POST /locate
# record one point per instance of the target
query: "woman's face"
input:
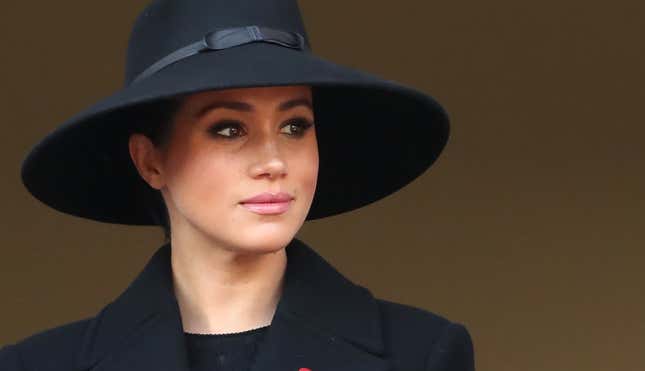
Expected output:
(230, 145)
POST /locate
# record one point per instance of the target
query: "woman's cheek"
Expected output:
(196, 182)
(310, 175)
(214, 178)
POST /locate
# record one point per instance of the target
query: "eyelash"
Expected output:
(303, 124)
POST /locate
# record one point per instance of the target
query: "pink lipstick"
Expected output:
(268, 203)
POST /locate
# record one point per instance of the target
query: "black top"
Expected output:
(223, 352)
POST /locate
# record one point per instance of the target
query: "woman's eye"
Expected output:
(227, 129)
(232, 129)
(297, 127)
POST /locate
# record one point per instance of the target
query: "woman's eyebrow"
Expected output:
(245, 107)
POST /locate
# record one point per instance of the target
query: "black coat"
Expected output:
(323, 322)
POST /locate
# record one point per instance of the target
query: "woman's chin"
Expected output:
(265, 239)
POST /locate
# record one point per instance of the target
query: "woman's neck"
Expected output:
(222, 291)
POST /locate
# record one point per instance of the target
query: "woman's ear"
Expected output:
(145, 157)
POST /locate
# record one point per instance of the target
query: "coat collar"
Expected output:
(322, 322)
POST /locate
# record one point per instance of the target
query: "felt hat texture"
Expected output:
(374, 135)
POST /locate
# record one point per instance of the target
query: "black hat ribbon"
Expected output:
(227, 38)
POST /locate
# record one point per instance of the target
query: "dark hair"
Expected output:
(155, 120)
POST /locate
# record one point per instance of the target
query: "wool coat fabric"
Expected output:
(323, 322)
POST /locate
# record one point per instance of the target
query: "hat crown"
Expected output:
(167, 25)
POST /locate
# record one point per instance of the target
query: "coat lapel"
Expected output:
(323, 322)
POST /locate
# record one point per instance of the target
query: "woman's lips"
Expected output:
(269, 197)
(267, 207)
(268, 203)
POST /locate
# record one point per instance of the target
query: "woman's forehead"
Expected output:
(280, 98)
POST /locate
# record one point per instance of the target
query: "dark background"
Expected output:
(529, 229)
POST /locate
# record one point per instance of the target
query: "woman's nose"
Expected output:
(269, 161)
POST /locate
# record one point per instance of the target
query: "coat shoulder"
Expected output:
(408, 319)
(55, 348)
(416, 336)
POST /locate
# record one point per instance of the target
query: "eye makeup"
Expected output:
(235, 128)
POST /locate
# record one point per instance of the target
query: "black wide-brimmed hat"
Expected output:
(374, 135)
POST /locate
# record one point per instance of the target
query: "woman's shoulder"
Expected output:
(54, 348)
(410, 317)
(445, 344)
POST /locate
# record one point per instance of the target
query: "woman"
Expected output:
(230, 133)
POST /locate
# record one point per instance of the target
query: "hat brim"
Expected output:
(374, 135)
